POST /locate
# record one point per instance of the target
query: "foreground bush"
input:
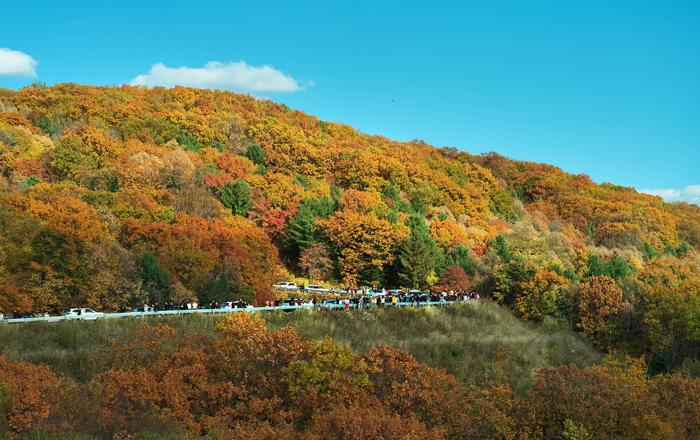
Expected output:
(246, 381)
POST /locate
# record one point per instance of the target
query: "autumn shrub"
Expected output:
(612, 401)
(369, 421)
(29, 396)
(599, 298)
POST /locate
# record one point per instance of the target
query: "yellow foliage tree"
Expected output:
(363, 241)
(539, 294)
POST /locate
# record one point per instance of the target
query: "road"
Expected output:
(216, 311)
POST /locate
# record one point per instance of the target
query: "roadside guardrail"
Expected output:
(249, 309)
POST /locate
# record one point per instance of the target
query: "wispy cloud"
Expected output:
(690, 194)
(236, 76)
(16, 63)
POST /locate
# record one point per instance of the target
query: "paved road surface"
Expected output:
(248, 309)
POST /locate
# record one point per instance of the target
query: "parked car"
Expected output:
(84, 314)
(331, 303)
(287, 285)
(317, 288)
(235, 305)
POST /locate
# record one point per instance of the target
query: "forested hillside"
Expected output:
(115, 196)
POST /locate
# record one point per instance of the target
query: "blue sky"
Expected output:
(606, 88)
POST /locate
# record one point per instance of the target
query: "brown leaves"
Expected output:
(28, 397)
(599, 298)
(611, 403)
(12, 299)
(368, 421)
(453, 278)
(315, 261)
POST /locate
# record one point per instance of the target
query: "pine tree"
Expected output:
(500, 246)
(237, 197)
(301, 232)
(156, 281)
(418, 255)
(256, 154)
(460, 257)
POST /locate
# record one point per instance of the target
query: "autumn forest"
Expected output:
(113, 197)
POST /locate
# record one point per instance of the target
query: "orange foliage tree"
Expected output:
(598, 299)
(29, 396)
(363, 240)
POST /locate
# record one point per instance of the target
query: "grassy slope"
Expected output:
(477, 341)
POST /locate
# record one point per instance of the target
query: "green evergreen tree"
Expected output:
(460, 257)
(595, 266)
(650, 252)
(237, 197)
(500, 246)
(188, 142)
(256, 154)
(683, 249)
(301, 231)
(156, 280)
(392, 194)
(49, 126)
(224, 285)
(617, 268)
(418, 256)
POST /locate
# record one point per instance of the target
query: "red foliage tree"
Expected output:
(453, 278)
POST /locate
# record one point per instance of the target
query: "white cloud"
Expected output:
(16, 63)
(237, 76)
(690, 194)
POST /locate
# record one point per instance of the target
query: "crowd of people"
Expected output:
(156, 307)
(352, 298)
(365, 298)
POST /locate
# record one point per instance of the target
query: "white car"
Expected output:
(235, 305)
(317, 288)
(84, 314)
(286, 285)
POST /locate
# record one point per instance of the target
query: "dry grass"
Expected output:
(474, 341)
